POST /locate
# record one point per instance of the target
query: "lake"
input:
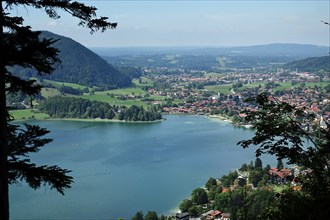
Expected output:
(122, 168)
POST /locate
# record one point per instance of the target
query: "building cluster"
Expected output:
(276, 176)
(194, 98)
(209, 215)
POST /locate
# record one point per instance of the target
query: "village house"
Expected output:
(225, 216)
(280, 176)
(210, 215)
(182, 216)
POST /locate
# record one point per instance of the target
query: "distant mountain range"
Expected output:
(80, 65)
(298, 51)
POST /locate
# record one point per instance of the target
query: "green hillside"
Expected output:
(81, 66)
(312, 64)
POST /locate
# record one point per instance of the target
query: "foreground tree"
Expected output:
(21, 46)
(185, 205)
(282, 130)
(151, 215)
(138, 216)
(199, 196)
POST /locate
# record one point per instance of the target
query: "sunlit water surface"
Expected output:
(122, 168)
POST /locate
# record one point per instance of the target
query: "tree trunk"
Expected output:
(4, 200)
(4, 197)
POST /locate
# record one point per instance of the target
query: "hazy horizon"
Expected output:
(201, 46)
(195, 23)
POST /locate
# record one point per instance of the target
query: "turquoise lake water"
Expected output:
(122, 168)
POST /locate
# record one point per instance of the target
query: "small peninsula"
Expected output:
(64, 107)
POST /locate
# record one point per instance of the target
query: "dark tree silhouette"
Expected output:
(324, 22)
(281, 131)
(23, 142)
(21, 46)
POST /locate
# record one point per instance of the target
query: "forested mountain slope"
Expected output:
(81, 66)
(311, 64)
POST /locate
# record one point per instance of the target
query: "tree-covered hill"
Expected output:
(81, 66)
(194, 62)
(312, 64)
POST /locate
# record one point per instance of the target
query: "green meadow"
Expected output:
(109, 96)
(28, 114)
(59, 84)
(144, 82)
(49, 92)
(224, 88)
(114, 101)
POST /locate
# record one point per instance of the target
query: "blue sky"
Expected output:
(196, 23)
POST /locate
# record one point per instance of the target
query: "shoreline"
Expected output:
(228, 119)
(29, 115)
(221, 117)
(216, 117)
(93, 120)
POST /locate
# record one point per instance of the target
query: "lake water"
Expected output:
(122, 168)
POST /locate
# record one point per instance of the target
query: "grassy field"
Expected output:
(214, 75)
(288, 85)
(28, 114)
(171, 58)
(283, 85)
(319, 84)
(225, 88)
(125, 91)
(145, 82)
(108, 96)
(49, 92)
(114, 101)
(279, 188)
(59, 84)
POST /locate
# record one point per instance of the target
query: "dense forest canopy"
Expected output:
(70, 107)
(310, 64)
(196, 62)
